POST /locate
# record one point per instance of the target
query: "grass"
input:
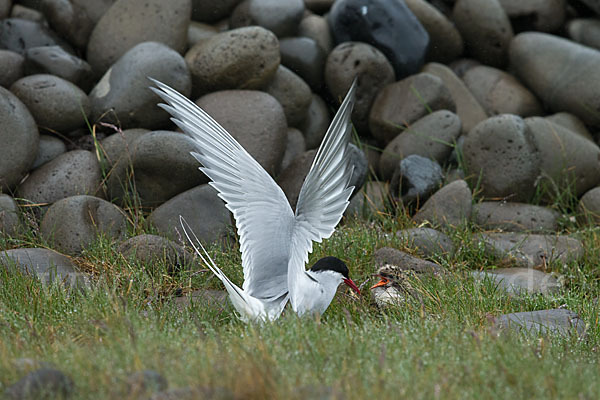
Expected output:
(443, 347)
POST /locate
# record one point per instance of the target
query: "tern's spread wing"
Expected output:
(263, 215)
(325, 192)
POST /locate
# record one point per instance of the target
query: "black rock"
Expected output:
(415, 178)
(387, 25)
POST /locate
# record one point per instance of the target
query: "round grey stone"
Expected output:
(124, 26)
(293, 94)
(19, 35)
(291, 179)
(121, 145)
(280, 17)
(585, 31)
(316, 122)
(20, 138)
(571, 122)
(401, 103)
(70, 20)
(515, 217)
(203, 210)
(305, 57)
(255, 119)
(243, 58)
(351, 60)
(151, 249)
(316, 28)
(44, 264)
(516, 281)
(49, 148)
(56, 104)
(44, 383)
(11, 67)
(450, 206)
(73, 173)
(295, 146)
(501, 154)
(54, 60)
(405, 262)
(212, 10)
(559, 321)
(10, 223)
(198, 31)
(589, 207)
(428, 242)
(123, 96)
(415, 178)
(73, 223)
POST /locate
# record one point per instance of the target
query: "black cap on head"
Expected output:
(331, 264)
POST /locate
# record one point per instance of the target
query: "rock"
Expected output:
(373, 71)
(54, 60)
(486, 30)
(162, 168)
(291, 179)
(405, 262)
(18, 35)
(559, 322)
(202, 209)
(123, 27)
(589, 207)
(22, 12)
(318, 6)
(515, 217)
(462, 65)
(149, 250)
(280, 17)
(501, 154)
(316, 28)
(243, 58)
(468, 108)
(125, 86)
(9, 216)
(379, 23)
(563, 74)
(121, 146)
(198, 31)
(415, 178)
(293, 94)
(143, 382)
(5, 6)
(501, 93)
(73, 173)
(212, 11)
(585, 31)
(11, 67)
(401, 103)
(445, 42)
(519, 281)
(427, 241)
(306, 58)
(536, 15)
(46, 265)
(49, 148)
(592, 4)
(74, 223)
(449, 206)
(43, 383)
(294, 147)
(48, 96)
(373, 199)
(568, 160)
(571, 122)
(532, 250)
(432, 136)
(20, 139)
(316, 122)
(255, 119)
(360, 167)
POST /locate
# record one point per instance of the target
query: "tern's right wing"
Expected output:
(263, 215)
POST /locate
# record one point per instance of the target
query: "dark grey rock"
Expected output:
(20, 140)
(515, 217)
(449, 206)
(432, 136)
(559, 322)
(49, 148)
(519, 281)
(316, 28)
(73, 173)
(405, 262)
(589, 207)
(402, 103)
(123, 96)
(162, 168)
(294, 147)
(73, 223)
(123, 26)
(280, 17)
(9, 216)
(319, 6)
(243, 58)
(485, 29)
(293, 94)
(536, 15)
(121, 145)
(585, 31)
(571, 122)
(415, 178)
(305, 57)
(212, 10)
(316, 122)
(571, 85)
(5, 6)
(22, 12)
(359, 165)
(380, 23)
(11, 67)
(55, 104)
(351, 60)
(18, 35)
(255, 119)
(501, 154)
(144, 382)
(291, 179)
(151, 249)
(43, 383)
(54, 60)
(592, 4)
(532, 250)
(426, 241)
(203, 210)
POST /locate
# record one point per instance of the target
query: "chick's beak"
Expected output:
(352, 285)
(382, 282)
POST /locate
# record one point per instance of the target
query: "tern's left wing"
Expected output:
(263, 215)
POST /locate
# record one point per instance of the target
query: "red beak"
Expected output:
(352, 285)
(382, 282)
